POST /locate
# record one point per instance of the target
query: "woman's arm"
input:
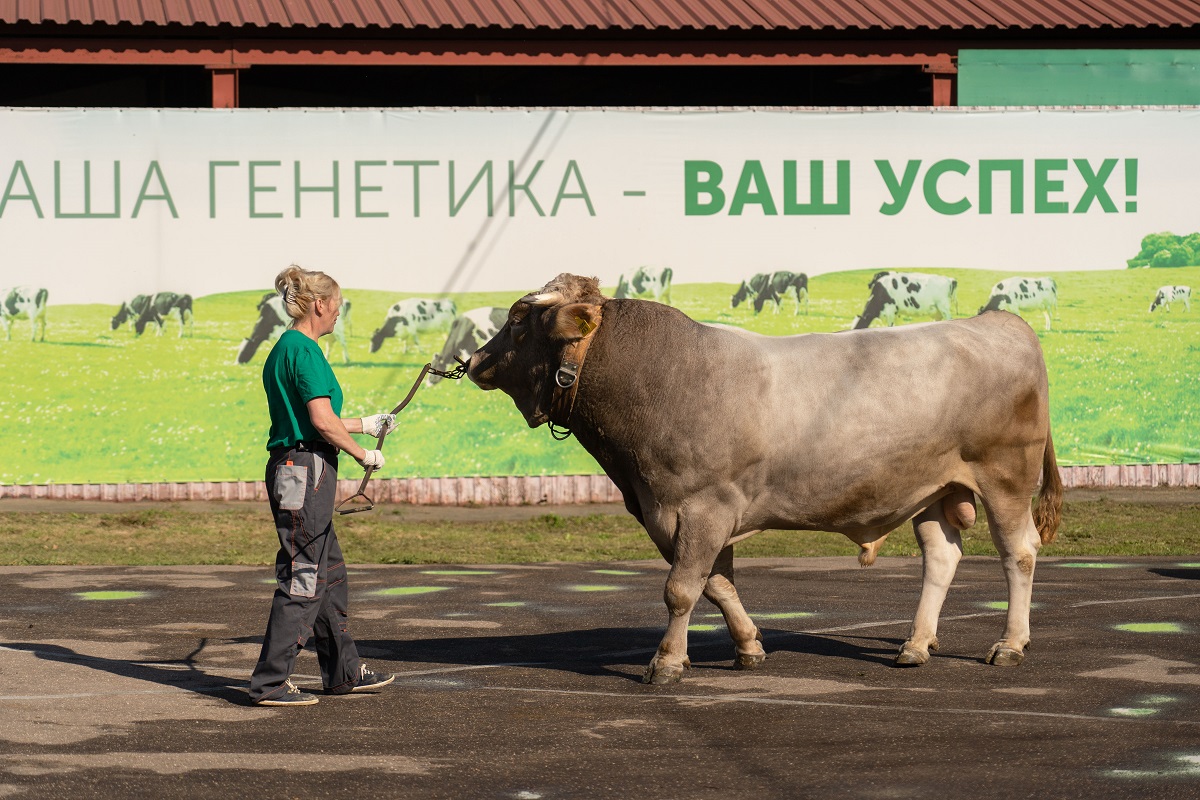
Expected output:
(334, 430)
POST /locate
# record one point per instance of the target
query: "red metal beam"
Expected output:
(332, 52)
(224, 87)
(945, 84)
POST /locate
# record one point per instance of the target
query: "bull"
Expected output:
(715, 434)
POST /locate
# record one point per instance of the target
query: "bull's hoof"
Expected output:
(751, 660)
(663, 675)
(660, 673)
(1002, 655)
(912, 656)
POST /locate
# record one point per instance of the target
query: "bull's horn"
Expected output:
(542, 298)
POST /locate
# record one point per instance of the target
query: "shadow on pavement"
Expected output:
(1188, 574)
(588, 652)
(190, 678)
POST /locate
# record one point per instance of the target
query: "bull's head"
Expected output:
(522, 359)
(122, 314)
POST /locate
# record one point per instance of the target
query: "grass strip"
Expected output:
(177, 535)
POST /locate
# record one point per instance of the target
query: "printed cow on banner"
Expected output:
(407, 318)
(25, 302)
(773, 287)
(653, 283)
(1024, 294)
(145, 308)
(908, 294)
(1172, 294)
(467, 334)
(273, 321)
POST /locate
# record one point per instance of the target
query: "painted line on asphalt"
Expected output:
(1134, 600)
(741, 698)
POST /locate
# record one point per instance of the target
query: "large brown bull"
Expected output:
(714, 434)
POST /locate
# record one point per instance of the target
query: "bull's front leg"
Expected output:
(720, 589)
(698, 538)
(941, 550)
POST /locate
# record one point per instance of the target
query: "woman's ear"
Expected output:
(575, 321)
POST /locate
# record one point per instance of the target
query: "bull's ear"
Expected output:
(575, 321)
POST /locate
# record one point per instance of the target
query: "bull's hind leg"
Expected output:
(941, 549)
(720, 589)
(1016, 538)
(699, 536)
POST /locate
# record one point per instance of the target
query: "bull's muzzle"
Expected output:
(479, 372)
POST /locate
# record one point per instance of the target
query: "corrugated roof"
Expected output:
(895, 15)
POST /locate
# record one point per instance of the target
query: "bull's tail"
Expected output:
(1047, 514)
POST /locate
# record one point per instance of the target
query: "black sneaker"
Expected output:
(291, 697)
(368, 681)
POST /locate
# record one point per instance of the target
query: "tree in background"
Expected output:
(1167, 250)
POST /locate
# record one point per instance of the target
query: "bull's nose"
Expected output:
(477, 373)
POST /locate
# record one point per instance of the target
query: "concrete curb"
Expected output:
(520, 490)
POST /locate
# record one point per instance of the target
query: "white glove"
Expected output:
(377, 424)
(372, 458)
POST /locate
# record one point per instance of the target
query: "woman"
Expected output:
(305, 403)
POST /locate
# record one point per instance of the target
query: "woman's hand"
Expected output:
(378, 424)
(372, 458)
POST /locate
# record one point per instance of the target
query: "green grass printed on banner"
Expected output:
(95, 405)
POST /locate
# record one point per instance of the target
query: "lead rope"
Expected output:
(455, 374)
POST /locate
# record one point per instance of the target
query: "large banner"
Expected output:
(1074, 218)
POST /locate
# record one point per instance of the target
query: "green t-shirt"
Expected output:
(296, 371)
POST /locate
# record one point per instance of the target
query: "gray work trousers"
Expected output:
(311, 596)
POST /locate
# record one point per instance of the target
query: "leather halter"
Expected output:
(566, 379)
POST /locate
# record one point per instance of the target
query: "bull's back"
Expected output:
(879, 419)
(941, 373)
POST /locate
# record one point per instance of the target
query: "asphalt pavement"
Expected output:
(523, 682)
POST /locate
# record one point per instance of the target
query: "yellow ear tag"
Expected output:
(586, 326)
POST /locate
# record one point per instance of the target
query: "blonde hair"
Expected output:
(301, 288)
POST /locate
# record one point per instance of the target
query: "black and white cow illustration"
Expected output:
(647, 282)
(273, 321)
(467, 334)
(773, 287)
(1172, 294)
(407, 318)
(1024, 294)
(750, 288)
(908, 294)
(25, 302)
(155, 308)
